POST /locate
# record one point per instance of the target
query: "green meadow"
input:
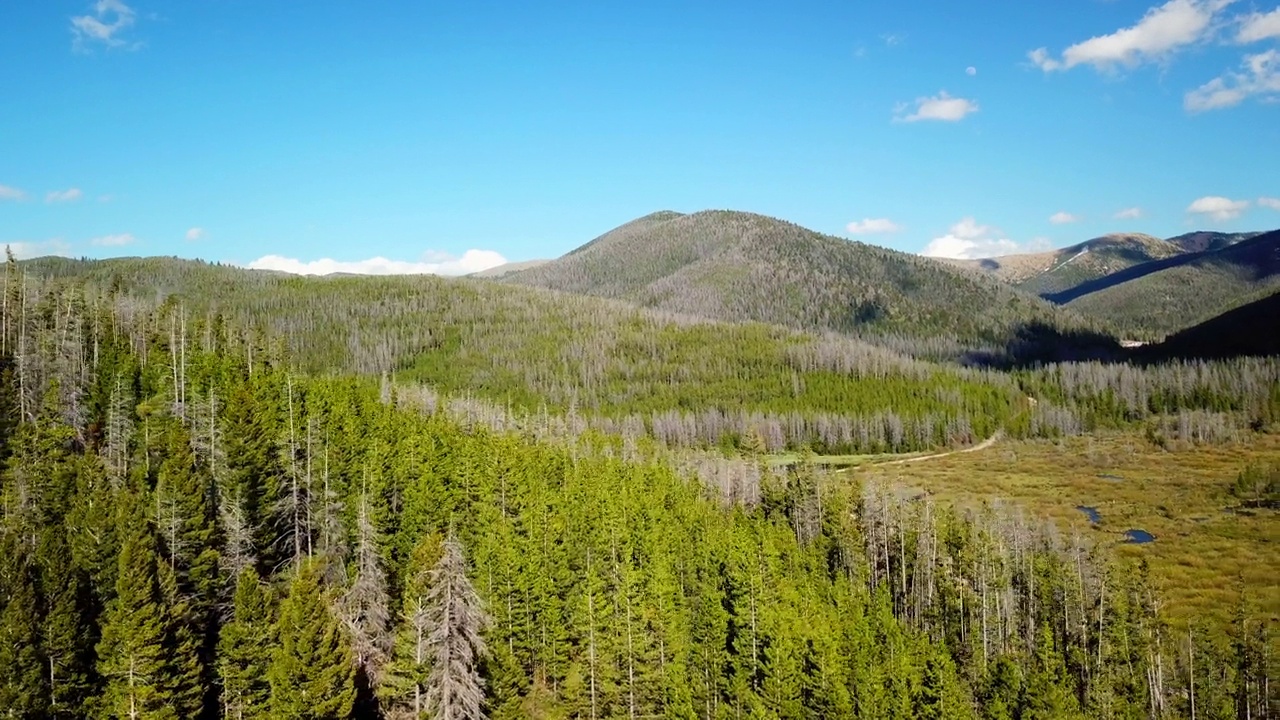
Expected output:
(1208, 549)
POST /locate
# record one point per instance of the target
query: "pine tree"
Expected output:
(940, 696)
(312, 672)
(244, 652)
(189, 578)
(24, 690)
(132, 657)
(253, 472)
(404, 687)
(188, 682)
(1044, 694)
(66, 630)
(455, 613)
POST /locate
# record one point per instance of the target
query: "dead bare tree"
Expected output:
(365, 607)
(455, 690)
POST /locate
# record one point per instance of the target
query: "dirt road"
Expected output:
(980, 446)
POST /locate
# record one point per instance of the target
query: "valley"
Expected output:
(624, 442)
(625, 361)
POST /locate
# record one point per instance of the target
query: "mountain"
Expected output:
(741, 266)
(1247, 330)
(508, 268)
(1054, 271)
(1203, 240)
(1168, 295)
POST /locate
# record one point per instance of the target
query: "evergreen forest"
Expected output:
(215, 504)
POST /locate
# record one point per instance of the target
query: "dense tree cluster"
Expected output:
(190, 528)
(520, 357)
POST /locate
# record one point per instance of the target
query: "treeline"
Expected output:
(1194, 400)
(531, 356)
(191, 529)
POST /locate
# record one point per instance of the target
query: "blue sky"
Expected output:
(446, 136)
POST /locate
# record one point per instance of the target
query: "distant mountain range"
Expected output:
(1145, 285)
(1054, 271)
(741, 266)
(1170, 294)
(1204, 291)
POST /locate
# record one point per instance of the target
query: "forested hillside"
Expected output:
(1250, 329)
(513, 352)
(1165, 296)
(191, 528)
(688, 380)
(1207, 240)
(1054, 271)
(741, 266)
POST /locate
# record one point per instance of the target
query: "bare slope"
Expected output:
(743, 266)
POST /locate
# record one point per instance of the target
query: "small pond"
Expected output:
(1090, 512)
(1138, 537)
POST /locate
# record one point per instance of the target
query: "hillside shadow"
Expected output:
(1260, 255)
(1121, 276)
(1249, 330)
(1038, 343)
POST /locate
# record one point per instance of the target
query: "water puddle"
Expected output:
(1139, 537)
(1090, 512)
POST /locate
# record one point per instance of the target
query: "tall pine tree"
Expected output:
(244, 652)
(132, 654)
(312, 672)
(24, 691)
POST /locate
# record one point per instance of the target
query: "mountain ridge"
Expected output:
(741, 266)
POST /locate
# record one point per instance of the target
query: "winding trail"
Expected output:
(975, 448)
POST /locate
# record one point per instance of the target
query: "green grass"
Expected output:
(1205, 553)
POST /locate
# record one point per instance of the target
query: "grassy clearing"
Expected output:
(1206, 550)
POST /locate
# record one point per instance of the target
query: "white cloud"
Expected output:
(1269, 202)
(1261, 78)
(940, 107)
(1132, 213)
(1162, 31)
(11, 193)
(1040, 58)
(1218, 207)
(967, 240)
(869, 226)
(1063, 218)
(195, 233)
(61, 196)
(891, 39)
(114, 240)
(26, 249)
(431, 264)
(110, 18)
(971, 71)
(1259, 26)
